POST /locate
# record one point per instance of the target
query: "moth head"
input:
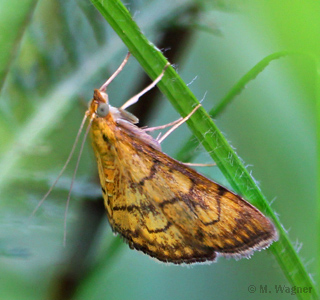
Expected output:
(99, 104)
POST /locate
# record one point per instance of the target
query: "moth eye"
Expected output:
(103, 109)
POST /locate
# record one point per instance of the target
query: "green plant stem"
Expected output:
(205, 130)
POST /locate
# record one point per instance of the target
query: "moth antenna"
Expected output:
(115, 74)
(72, 181)
(178, 124)
(135, 98)
(63, 168)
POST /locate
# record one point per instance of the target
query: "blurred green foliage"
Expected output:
(62, 50)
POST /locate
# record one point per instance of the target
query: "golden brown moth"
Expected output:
(161, 206)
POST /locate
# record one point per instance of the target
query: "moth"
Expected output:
(161, 206)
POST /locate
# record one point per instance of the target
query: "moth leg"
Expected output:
(135, 98)
(198, 164)
(160, 140)
(115, 74)
(162, 126)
